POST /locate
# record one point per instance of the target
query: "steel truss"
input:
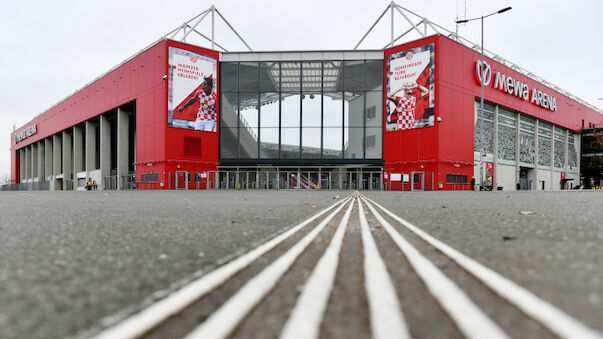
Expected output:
(190, 26)
(426, 27)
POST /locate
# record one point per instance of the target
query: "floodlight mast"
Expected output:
(481, 75)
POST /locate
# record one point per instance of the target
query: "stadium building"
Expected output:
(406, 117)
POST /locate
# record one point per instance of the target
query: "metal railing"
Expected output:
(458, 186)
(110, 182)
(27, 186)
(271, 179)
(126, 182)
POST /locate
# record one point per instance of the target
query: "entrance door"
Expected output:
(417, 181)
(182, 180)
(525, 182)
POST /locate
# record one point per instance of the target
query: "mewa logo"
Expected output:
(483, 74)
(193, 58)
(409, 55)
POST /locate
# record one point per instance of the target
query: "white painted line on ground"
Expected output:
(471, 320)
(551, 317)
(142, 322)
(306, 317)
(226, 318)
(386, 317)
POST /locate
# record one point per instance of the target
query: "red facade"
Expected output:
(140, 80)
(447, 147)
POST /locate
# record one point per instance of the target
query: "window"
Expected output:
(456, 179)
(370, 141)
(150, 177)
(192, 147)
(301, 109)
(371, 112)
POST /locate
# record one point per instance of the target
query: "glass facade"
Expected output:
(527, 140)
(301, 110)
(544, 144)
(556, 146)
(484, 140)
(507, 127)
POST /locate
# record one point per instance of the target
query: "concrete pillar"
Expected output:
(536, 177)
(90, 146)
(495, 151)
(28, 163)
(134, 149)
(517, 136)
(57, 150)
(78, 150)
(34, 161)
(578, 146)
(41, 161)
(566, 160)
(105, 149)
(67, 160)
(48, 160)
(122, 146)
(552, 162)
(21, 165)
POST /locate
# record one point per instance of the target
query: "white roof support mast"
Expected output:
(190, 26)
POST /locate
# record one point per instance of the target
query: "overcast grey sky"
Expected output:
(52, 48)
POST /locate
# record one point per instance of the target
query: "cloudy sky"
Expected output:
(52, 48)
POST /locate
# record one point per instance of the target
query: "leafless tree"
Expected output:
(5, 179)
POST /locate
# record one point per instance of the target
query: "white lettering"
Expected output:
(526, 92)
(539, 98)
(509, 85)
(534, 96)
(517, 88)
(29, 131)
(499, 82)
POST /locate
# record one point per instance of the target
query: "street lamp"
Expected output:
(482, 154)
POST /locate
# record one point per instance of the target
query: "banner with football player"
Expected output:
(192, 90)
(410, 98)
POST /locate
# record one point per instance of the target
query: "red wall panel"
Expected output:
(415, 149)
(449, 143)
(139, 79)
(176, 160)
(457, 71)
(158, 148)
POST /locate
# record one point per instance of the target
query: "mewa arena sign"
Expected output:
(26, 133)
(513, 87)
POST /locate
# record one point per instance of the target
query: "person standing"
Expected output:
(207, 96)
(405, 105)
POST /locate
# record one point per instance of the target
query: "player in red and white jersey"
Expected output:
(405, 105)
(207, 96)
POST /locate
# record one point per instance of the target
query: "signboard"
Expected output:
(396, 177)
(192, 90)
(26, 133)
(410, 93)
(513, 87)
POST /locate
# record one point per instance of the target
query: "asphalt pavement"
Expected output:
(74, 263)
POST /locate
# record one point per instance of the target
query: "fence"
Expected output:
(27, 186)
(269, 179)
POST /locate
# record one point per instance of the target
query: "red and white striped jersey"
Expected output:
(207, 105)
(405, 107)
